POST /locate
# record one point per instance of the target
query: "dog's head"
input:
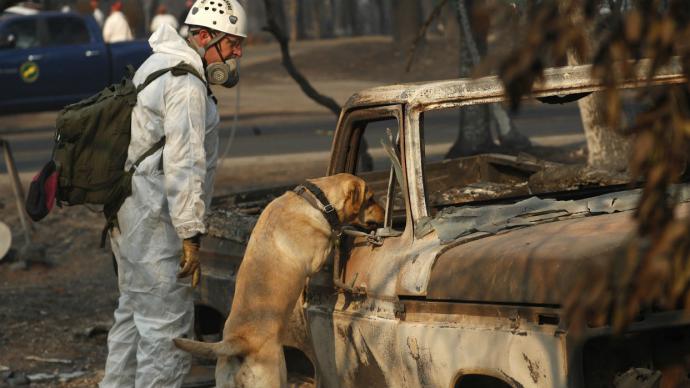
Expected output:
(353, 200)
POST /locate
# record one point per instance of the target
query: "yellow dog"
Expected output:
(290, 242)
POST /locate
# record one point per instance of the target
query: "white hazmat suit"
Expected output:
(165, 207)
(116, 29)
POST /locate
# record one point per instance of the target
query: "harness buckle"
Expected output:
(328, 208)
(374, 240)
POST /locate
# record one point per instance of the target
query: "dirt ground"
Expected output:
(55, 311)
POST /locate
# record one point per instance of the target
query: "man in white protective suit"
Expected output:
(160, 224)
(116, 28)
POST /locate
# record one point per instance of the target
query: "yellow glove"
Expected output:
(189, 262)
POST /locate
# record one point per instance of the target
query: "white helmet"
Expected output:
(221, 15)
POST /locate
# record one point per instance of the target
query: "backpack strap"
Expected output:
(184, 68)
(178, 70)
(159, 144)
(111, 209)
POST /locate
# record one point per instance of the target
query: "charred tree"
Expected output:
(607, 150)
(474, 132)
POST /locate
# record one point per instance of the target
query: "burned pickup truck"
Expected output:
(464, 285)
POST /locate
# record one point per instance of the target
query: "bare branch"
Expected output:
(275, 29)
(422, 32)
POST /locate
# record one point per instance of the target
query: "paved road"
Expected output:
(298, 133)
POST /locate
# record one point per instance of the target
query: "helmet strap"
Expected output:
(215, 40)
(202, 50)
(220, 52)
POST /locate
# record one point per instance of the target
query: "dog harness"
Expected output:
(313, 194)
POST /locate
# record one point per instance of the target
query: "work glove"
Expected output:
(189, 262)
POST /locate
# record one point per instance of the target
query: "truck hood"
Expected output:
(535, 264)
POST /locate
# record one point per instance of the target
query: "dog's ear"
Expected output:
(207, 350)
(356, 192)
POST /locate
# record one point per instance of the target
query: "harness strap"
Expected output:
(322, 204)
(178, 70)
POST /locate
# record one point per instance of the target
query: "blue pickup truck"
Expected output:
(51, 59)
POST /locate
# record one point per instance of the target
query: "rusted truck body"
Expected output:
(459, 288)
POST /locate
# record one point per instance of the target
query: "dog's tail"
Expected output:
(208, 350)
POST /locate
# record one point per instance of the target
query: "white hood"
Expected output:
(167, 41)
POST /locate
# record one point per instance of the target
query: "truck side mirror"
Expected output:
(7, 41)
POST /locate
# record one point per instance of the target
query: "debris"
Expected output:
(54, 360)
(17, 379)
(63, 377)
(34, 254)
(638, 378)
(5, 372)
(5, 239)
(27, 256)
(97, 329)
(19, 266)
(38, 377)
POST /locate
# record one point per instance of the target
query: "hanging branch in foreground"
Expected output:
(278, 33)
(654, 272)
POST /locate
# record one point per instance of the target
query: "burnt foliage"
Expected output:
(654, 272)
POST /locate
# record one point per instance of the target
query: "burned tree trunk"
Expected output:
(474, 133)
(476, 120)
(607, 150)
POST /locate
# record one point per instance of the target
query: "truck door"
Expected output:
(354, 332)
(18, 52)
(74, 64)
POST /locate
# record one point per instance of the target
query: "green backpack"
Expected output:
(91, 142)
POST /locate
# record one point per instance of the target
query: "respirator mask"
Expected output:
(225, 73)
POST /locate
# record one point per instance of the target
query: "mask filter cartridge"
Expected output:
(226, 74)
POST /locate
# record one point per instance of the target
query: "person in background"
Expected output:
(184, 29)
(116, 28)
(163, 17)
(97, 13)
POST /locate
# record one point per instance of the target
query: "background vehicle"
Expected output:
(464, 285)
(51, 59)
